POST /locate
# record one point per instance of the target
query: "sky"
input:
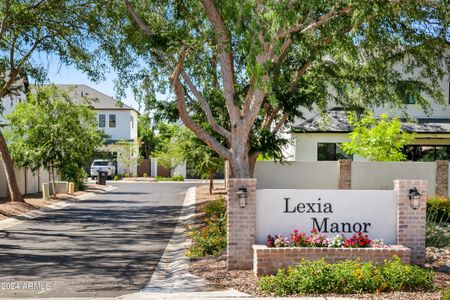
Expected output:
(62, 74)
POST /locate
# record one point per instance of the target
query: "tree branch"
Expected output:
(184, 115)
(138, 19)
(298, 75)
(280, 122)
(205, 107)
(225, 57)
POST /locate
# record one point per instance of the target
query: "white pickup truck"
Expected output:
(103, 165)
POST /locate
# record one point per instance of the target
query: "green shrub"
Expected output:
(446, 294)
(438, 210)
(116, 177)
(178, 178)
(174, 178)
(76, 175)
(145, 175)
(215, 208)
(348, 277)
(209, 237)
(437, 235)
(126, 175)
(438, 215)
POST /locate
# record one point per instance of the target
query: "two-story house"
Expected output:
(319, 137)
(117, 120)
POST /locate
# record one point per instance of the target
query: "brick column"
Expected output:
(241, 225)
(411, 222)
(442, 178)
(345, 174)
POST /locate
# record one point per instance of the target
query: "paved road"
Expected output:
(105, 246)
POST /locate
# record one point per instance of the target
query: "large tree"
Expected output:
(50, 131)
(239, 71)
(31, 30)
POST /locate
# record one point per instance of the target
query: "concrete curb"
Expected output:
(171, 278)
(41, 211)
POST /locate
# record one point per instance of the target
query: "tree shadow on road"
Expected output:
(85, 250)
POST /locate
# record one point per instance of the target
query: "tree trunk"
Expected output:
(211, 182)
(252, 162)
(8, 166)
(240, 157)
(52, 172)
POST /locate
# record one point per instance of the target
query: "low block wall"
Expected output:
(61, 187)
(267, 261)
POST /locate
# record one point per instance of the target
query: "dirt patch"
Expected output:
(214, 269)
(35, 201)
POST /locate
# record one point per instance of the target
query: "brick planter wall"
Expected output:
(267, 261)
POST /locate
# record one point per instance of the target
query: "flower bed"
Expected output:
(316, 239)
(267, 260)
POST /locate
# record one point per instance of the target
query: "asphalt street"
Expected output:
(106, 246)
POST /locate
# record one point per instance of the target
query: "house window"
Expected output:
(112, 121)
(410, 99)
(132, 121)
(427, 152)
(101, 121)
(331, 151)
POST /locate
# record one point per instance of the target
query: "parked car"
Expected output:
(103, 165)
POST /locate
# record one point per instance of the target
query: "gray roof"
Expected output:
(80, 93)
(335, 121)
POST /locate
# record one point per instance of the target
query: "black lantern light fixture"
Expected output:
(414, 198)
(242, 195)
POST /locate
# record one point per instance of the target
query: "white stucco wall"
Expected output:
(33, 181)
(380, 175)
(123, 130)
(324, 175)
(306, 144)
(296, 175)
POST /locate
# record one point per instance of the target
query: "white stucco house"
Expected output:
(119, 122)
(318, 136)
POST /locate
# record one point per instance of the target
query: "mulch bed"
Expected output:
(214, 269)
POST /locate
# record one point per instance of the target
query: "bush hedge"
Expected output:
(209, 237)
(438, 217)
(438, 210)
(348, 277)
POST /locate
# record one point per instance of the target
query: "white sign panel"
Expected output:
(329, 211)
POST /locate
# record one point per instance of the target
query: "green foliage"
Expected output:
(446, 294)
(347, 277)
(183, 146)
(377, 139)
(215, 208)
(438, 217)
(60, 29)
(146, 136)
(437, 235)
(174, 178)
(210, 237)
(116, 177)
(50, 131)
(145, 175)
(127, 156)
(438, 209)
(347, 58)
